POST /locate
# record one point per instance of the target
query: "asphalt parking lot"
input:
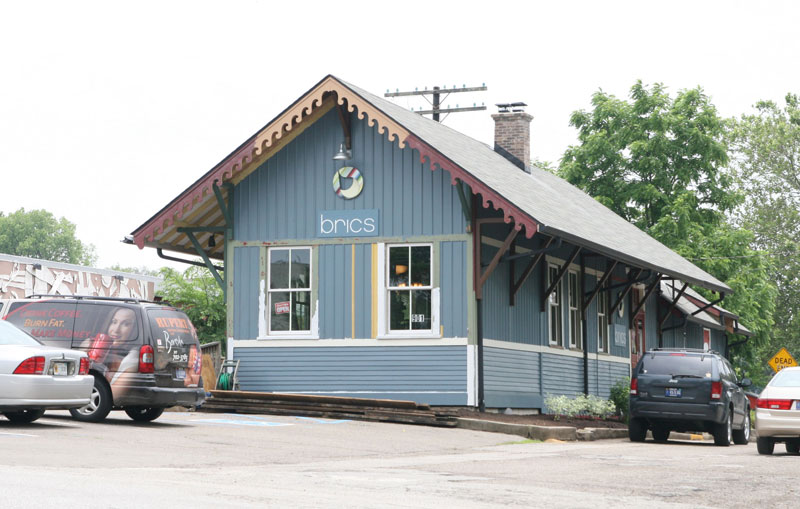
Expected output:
(227, 460)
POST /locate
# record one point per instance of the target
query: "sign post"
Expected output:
(782, 359)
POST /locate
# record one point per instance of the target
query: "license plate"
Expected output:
(673, 392)
(180, 374)
(60, 368)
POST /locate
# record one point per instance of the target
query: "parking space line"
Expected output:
(321, 421)
(18, 434)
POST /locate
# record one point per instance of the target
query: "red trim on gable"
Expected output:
(510, 212)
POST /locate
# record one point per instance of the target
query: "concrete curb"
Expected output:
(566, 433)
(591, 434)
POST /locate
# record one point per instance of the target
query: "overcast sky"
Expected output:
(109, 110)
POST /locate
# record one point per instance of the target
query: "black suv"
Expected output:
(688, 390)
(144, 356)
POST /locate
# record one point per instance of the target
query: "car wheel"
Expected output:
(723, 432)
(24, 416)
(99, 403)
(143, 414)
(660, 434)
(765, 445)
(793, 447)
(637, 430)
(742, 436)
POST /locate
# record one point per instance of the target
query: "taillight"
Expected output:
(84, 369)
(634, 386)
(31, 366)
(774, 404)
(716, 390)
(146, 359)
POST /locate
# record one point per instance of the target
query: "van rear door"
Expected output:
(177, 350)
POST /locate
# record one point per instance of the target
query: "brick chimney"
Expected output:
(512, 134)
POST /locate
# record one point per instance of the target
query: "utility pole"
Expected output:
(437, 92)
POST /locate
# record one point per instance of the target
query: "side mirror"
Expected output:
(745, 382)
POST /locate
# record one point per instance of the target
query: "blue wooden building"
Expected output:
(371, 252)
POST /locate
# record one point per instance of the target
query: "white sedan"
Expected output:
(34, 377)
(778, 412)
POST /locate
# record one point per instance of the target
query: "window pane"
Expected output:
(421, 309)
(574, 326)
(301, 268)
(554, 324)
(279, 268)
(280, 311)
(573, 290)
(301, 311)
(399, 310)
(420, 266)
(398, 266)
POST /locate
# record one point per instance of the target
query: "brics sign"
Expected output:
(782, 359)
(348, 223)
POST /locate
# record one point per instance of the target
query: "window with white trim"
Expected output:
(602, 320)
(409, 287)
(575, 330)
(289, 292)
(554, 307)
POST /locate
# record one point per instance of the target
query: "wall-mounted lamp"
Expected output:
(119, 277)
(343, 154)
(211, 241)
(37, 266)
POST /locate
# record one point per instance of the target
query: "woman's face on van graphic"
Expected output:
(121, 325)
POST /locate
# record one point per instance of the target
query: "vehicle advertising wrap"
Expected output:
(176, 345)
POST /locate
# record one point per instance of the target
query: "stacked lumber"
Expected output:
(327, 407)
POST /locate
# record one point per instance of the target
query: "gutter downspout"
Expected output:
(584, 332)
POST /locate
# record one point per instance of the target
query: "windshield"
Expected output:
(11, 335)
(786, 378)
(678, 364)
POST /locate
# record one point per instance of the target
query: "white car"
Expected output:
(778, 412)
(34, 377)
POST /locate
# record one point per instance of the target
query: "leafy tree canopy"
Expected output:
(765, 149)
(196, 292)
(662, 164)
(38, 234)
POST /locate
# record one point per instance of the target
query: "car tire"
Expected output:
(793, 447)
(723, 432)
(742, 436)
(143, 414)
(765, 445)
(99, 404)
(660, 434)
(24, 416)
(637, 430)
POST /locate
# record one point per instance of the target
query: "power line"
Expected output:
(437, 92)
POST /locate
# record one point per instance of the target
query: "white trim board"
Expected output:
(322, 343)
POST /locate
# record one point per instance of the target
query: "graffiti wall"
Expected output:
(19, 279)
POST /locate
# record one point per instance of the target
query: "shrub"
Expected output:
(619, 395)
(582, 405)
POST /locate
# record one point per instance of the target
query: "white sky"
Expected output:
(108, 110)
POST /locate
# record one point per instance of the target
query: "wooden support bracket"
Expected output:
(647, 293)
(496, 260)
(528, 270)
(559, 277)
(672, 305)
(600, 285)
(624, 293)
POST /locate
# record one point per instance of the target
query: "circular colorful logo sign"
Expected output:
(355, 187)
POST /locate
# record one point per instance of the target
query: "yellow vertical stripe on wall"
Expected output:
(374, 291)
(353, 290)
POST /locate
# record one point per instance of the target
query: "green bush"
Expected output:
(619, 396)
(591, 406)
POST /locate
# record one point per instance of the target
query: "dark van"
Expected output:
(145, 357)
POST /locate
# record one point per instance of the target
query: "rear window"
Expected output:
(678, 364)
(786, 379)
(51, 322)
(173, 332)
(11, 335)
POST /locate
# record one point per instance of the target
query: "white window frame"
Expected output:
(574, 311)
(602, 315)
(554, 300)
(384, 320)
(310, 332)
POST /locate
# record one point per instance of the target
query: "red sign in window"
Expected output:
(281, 308)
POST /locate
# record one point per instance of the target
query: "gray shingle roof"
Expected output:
(559, 208)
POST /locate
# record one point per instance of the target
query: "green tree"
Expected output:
(39, 234)
(196, 292)
(765, 149)
(662, 164)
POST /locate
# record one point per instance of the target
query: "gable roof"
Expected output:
(540, 201)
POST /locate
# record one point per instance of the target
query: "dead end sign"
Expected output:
(782, 359)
